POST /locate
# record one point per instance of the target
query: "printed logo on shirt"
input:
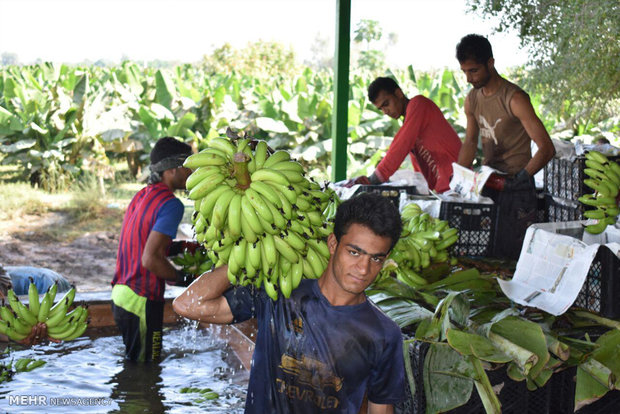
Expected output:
(309, 372)
(297, 325)
(425, 155)
(487, 131)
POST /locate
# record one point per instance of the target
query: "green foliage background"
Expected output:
(58, 121)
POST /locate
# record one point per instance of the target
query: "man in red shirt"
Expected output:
(426, 136)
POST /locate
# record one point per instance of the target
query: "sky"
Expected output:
(184, 30)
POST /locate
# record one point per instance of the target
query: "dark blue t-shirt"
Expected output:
(313, 357)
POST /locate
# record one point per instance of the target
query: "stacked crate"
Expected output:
(563, 186)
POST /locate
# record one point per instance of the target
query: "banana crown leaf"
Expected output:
(454, 307)
(473, 344)
(607, 352)
(587, 389)
(402, 311)
(527, 335)
(456, 277)
(399, 289)
(447, 378)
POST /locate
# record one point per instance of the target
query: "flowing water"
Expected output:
(90, 375)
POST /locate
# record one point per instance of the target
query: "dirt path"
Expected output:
(88, 261)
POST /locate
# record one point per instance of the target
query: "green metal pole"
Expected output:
(341, 90)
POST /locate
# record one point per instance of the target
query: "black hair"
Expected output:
(168, 146)
(372, 210)
(474, 47)
(381, 84)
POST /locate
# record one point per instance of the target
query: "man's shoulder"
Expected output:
(390, 327)
(420, 100)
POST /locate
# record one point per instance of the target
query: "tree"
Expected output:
(574, 46)
(369, 31)
(263, 59)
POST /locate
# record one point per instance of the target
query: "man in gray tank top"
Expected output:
(501, 114)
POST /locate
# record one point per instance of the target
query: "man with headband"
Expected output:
(142, 266)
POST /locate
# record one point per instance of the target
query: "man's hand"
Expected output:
(495, 182)
(521, 181)
(362, 179)
(179, 246)
(37, 334)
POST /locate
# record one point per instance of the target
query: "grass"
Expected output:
(82, 209)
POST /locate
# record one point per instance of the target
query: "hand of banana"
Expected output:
(257, 212)
(40, 320)
(605, 181)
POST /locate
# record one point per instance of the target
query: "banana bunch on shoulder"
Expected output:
(605, 181)
(257, 212)
(18, 319)
(424, 240)
(194, 263)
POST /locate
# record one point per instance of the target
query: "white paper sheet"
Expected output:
(552, 267)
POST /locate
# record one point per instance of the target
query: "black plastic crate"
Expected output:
(556, 397)
(390, 191)
(415, 400)
(541, 207)
(608, 404)
(564, 178)
(562, 209)
(476, 223)
(601, 290)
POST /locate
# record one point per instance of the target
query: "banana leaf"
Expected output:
(587, 389)
(527, 335)
(402, 311)
(469, 344)
(456, 277)
(447, 378)
(165, 90)
(607, 354)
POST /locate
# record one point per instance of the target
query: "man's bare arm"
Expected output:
(203, 300)
(521, 107)
(467, 154)
(154, 256)
(380, 408)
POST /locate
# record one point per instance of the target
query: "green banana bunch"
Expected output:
(18, 319)
(257, 212)
(605, 181)
(424, 240)
(194, 264)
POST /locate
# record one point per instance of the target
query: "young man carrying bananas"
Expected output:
(327, 346)
(142, 265)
